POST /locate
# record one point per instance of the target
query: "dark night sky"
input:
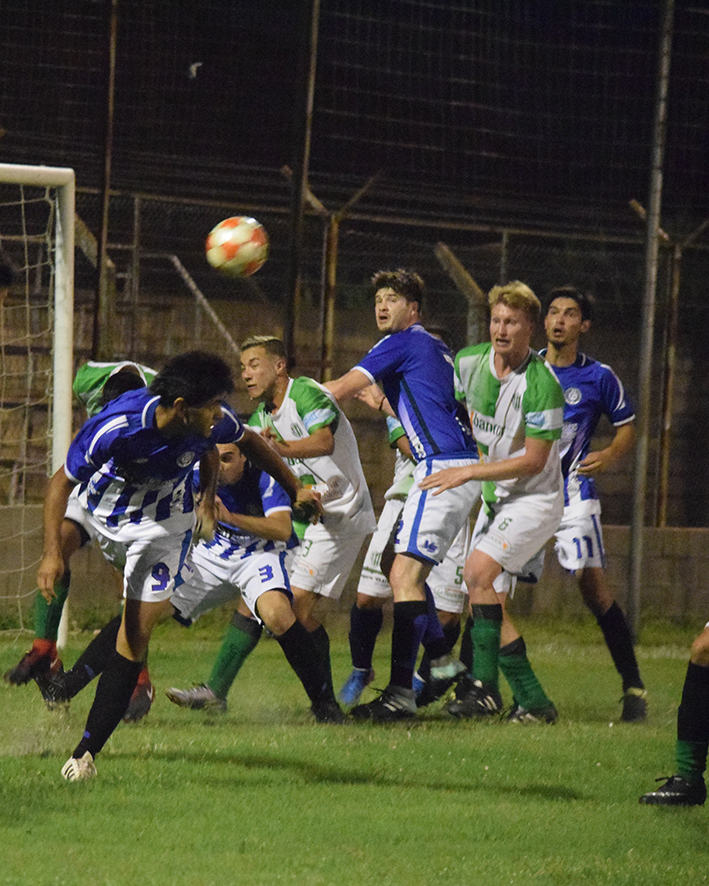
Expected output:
(517, 101)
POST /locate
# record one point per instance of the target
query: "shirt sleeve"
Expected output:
(543, 403)
(273, 496)
(315, 406)
(229, 429)
(395, 430)
(93, 446)
(386, 356)
(616, 404)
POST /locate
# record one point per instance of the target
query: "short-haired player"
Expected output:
(415, 371)
(591, 390)
(516, 405)
(247, 557)
(303, 423)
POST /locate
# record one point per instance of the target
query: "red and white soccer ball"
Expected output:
(237, 246)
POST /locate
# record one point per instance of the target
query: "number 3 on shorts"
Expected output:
(266, 573)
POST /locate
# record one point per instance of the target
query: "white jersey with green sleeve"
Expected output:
(403, 466)
(92, 376)
(307, 407)
(528, 402)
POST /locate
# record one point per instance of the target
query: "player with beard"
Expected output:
(415, 371)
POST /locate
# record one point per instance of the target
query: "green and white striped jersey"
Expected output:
(528, 402)
(307, 407)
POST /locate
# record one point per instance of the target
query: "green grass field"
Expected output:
(264, 796)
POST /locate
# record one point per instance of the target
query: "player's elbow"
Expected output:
(322, 442)
(281, 530)
(535, 466)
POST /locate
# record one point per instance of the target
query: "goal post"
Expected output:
(63, 180)
(37, 211)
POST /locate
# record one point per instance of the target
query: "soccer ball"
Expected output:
(237, 246)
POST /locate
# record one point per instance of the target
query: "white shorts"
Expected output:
(324, 560)
(429, 522)
(210, 581)
(579, 538)
(445, 579)
(517, 529)
(371, 580)
(114, 551)
(150, 554)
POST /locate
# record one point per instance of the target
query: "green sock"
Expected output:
(48, 615)
(691, 759)
(485, 634)
(526, 688)
(240, 639)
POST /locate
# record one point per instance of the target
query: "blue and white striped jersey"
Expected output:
(416, 371)
(591, 390)
(256, 494)
(130, 471)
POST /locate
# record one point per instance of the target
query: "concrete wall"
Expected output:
(676, 566)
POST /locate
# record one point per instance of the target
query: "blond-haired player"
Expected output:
(516, 407)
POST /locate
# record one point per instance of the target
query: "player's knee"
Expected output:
(364, 601)
(595, 591)
(275, 612)
(447, 618)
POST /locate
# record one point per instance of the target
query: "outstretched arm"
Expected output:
(276, 526)
(376, 399)
(320, 442)
(348, 385)
(258, 451)
(532, 462)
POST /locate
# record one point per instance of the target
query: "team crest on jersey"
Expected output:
(186, 459)
(572, 396)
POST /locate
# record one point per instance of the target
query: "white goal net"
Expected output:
(36, 345)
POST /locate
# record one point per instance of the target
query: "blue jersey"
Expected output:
(416, 371)
(591, 389)
(256, 494)
(130, 471)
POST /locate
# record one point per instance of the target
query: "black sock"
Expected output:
(466, 645)
(365, 625)
(620, 645)
(433, 640)
(113, 693)
(451, 632)
(93, 659)
(303, 656)
(410, 618)
(693, 711)
(322, 643)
